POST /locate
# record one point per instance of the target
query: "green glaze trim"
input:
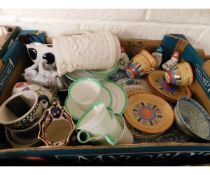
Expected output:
(69, 77)
(100, 78)
(83, 116)
(110, 95)
(110, 140)
(124, 92)
(107, 72)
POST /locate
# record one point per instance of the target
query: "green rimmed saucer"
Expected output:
(106, 72)
(119, 97)
(83, 74)
(76, 112)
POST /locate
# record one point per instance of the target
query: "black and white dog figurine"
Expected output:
(43, 71)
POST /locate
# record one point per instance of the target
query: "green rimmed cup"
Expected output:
(76, 112)
(85, 92)
(98, 124)
(103, 126)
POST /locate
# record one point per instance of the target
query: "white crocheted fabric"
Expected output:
(87, 51)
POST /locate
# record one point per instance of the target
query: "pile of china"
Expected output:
(122, 105)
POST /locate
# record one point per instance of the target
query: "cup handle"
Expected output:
(85, 137)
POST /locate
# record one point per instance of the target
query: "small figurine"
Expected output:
(158, 54)
(172, 62)
(124, 60)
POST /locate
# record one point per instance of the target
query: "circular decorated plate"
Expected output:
(106, 72)
(149, 113)
(194, 117)
(119, 97)
(76, 112)
(156, 81)
(133, 84)
(23, 139)
(139, 134)
(138, 91)
(83, 74)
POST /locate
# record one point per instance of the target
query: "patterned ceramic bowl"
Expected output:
(21, 111)
(193, 118)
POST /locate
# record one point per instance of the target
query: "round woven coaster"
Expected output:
(149, 113)
(156, 81)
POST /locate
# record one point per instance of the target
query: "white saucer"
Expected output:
(83, 74)
(76, 112)
(119, 97)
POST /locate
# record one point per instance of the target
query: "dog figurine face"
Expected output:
(42, 53)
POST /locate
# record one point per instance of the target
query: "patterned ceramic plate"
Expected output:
(119, 97)
(84, 74)
(194, 117)
(133, 84)
(156, 81)
(23, 139)
(76, 112)
(149, 113)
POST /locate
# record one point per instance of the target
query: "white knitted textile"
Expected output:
(88, 51)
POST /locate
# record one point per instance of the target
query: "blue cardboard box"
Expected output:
(201, 85)
(12, 36)
(15, 60)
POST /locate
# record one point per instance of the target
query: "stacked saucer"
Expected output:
(107, 92)
(156, 81)
(99, 75)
